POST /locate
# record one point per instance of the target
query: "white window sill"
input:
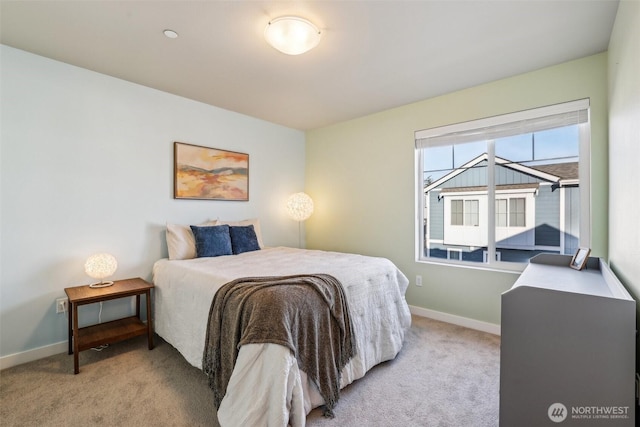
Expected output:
(499, 267)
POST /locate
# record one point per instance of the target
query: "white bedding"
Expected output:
(266, 386)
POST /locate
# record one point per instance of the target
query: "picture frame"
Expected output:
(580, 258)
(205, 173)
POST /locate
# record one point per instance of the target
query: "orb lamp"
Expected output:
(100, 266)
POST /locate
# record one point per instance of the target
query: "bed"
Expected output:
(266, 386)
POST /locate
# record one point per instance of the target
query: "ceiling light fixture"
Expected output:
(171, 34)
(292, 35)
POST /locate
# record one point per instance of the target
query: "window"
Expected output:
(516, 212)
(464, 213)
(457, 213)
(501, 213)
(511, 212)
(471, 213)
(500, 190)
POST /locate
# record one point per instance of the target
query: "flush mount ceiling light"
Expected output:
(292, 35)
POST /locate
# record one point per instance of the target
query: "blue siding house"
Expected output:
(533, 210)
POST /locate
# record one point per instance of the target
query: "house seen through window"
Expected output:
(498, 191)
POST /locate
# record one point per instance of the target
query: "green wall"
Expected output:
(361, 175)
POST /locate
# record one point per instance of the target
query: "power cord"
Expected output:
(103, 346)
(100, 347)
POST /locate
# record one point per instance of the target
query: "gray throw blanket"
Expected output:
(306, 313)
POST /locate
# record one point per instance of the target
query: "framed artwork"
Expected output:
(209, 173)
(579, 260)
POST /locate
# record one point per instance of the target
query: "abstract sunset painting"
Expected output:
(210, 173)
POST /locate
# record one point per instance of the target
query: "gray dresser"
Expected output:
(568, 347)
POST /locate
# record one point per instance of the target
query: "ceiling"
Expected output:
(374, 55)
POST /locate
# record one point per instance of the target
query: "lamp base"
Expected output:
(101, 285)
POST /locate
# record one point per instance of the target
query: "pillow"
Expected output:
(243, 239)
(212, 241)
(180, 242)
(256, 227)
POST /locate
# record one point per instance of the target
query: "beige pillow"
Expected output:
(180, 241)
(256, 227)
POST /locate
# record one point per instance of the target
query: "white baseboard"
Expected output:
(62, 347)
(34, 354)
(456, 320)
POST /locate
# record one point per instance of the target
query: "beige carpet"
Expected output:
(444, 376)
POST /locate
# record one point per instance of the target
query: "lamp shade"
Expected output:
(292, 35)
(299, 206)
(100, 266)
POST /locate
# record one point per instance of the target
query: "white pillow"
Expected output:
(256, 227)
(180, 241)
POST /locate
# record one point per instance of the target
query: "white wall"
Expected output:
(87, 166)
(624, 147)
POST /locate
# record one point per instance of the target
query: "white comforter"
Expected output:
(266, 386)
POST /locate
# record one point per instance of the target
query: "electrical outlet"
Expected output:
(62, 305)
(418, 280)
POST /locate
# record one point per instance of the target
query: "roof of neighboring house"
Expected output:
(562, 170)
(555, 172)
(484, 187)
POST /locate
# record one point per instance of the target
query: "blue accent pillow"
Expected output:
(243, 239)
(212, 241)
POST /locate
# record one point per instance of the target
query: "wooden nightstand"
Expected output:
(109, 332)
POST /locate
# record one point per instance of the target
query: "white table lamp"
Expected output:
(100, 266)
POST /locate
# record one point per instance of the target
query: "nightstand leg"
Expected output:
(70, 330)
(149, 321)
(76, 362)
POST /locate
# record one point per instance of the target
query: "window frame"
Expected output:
(579, 107)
